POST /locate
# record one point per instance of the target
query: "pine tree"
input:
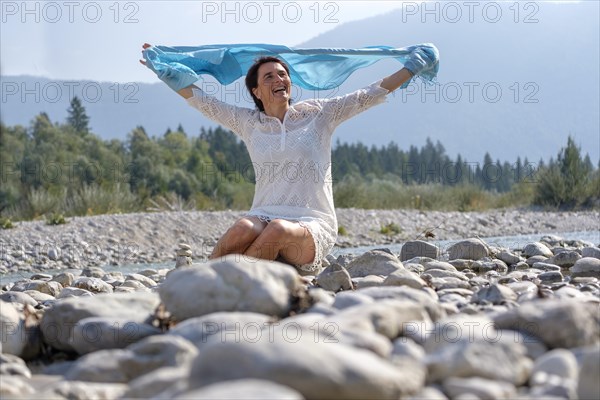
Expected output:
(77, 117)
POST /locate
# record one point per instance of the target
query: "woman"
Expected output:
(292, 218)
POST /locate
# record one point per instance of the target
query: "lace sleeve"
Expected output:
(228, 115)
(339, 109)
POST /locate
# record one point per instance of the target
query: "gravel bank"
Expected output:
(153, 237)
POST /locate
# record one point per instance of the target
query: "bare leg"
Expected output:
(287, 239)
(239, 237)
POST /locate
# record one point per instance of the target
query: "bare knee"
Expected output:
(246, 229)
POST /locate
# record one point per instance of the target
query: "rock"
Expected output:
(83, 390)
(439, 265)
(150, 385)
(533, 260)
(470, 249)
(523, 287)
(552, 240)
(93, 272)
(51, 288)
(558, 362)
(39, 296)
(94, 285)
(252, 389)
(502, 360)
(537, 249)
(479, 387)
(343, 373)
(387, 317)
(13, 365)
(334, 278)
(404, 278)
(199, 329)
(101, 333)
(406, 347)
(73, 292)
(58, 321)
(421, 297)
(136, 286)
(12, 330)
(551, 277)
(230, 283)
(149, 283)
(544, 266)
(578, 322)
(121, 366)
(416, 248)
(589, 370)
(495, 294)
(53, 253)
(564, 259)
(429, 393)
(348, 299)
(587, 266)
(374, 262)
(461, 264)
(18, 297)
(508, 257)
(64, 278)
(15, 387)
(590, 252)
(367, 281)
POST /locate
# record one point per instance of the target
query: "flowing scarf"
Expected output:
(314, 69)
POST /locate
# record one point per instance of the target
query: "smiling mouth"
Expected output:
(281, 89)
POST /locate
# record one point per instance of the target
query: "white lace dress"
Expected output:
(292, 160)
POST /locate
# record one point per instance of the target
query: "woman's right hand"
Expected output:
(144, 46)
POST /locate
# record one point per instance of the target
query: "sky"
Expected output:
(92, 39)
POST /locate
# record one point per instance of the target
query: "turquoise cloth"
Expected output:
(315, 69)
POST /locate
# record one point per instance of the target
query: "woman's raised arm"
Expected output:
(185, 92)
(421, 59)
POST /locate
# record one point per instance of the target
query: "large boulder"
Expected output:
(230, 283)
(59, 320)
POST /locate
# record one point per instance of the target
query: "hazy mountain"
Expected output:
(508, 88)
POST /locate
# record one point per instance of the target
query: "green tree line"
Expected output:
(51, 167)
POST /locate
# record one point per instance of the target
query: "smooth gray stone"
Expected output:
(58, 321)
(121, 366)
(102, 333)
(416, 248)
(350, 373)
(18, 297)
(565, 259)
(94, 285)
(495, 294)
(479, 387)
(374, 262)
(422, 297)
(230, 283)
(589, 370)
(349, 299)
(334, 278)
(590, 252)
(559, 362)
(551, 277)
(578, 321)
(470, 249)
(537, 249)
(404, 278)
(586, 267)
(252, 389)
(199, 329)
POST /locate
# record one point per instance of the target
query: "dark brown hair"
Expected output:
(252, 77)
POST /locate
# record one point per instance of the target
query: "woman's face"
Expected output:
(274, 84)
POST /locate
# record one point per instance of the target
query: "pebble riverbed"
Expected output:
(470, 320)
